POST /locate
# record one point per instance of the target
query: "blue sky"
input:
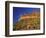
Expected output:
(17, 11)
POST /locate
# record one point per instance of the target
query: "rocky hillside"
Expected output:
(28, 22)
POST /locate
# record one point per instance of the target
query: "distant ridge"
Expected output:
(32, 15)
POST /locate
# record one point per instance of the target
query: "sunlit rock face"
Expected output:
(28, 22)
(28, 16)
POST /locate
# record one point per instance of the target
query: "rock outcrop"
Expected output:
(28, 22)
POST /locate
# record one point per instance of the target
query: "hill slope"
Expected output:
(28, 22)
